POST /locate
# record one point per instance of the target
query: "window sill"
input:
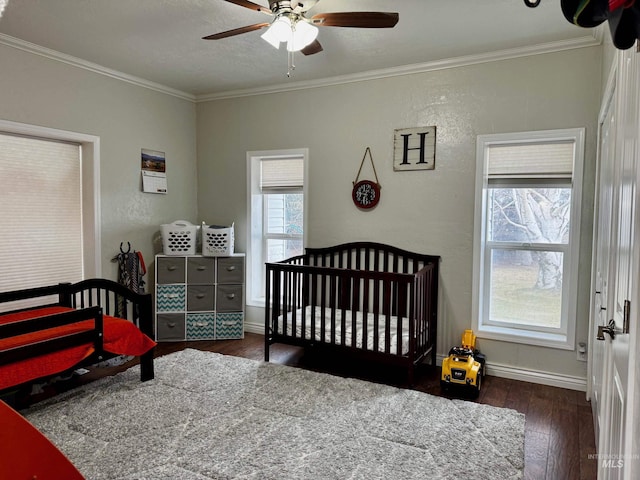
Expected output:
(529, 337)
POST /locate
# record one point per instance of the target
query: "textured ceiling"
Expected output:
(160, 40)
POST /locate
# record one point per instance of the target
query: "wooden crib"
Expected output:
(374, 301)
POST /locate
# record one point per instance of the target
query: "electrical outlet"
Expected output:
(581, 352)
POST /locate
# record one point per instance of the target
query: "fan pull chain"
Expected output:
(291, 66)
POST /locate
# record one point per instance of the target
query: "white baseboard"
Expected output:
(534, 376)
(497, 370)
(254, 328)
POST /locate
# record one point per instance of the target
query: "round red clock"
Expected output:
(366, 194)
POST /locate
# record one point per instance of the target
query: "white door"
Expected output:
(613, 406)
(602, 252)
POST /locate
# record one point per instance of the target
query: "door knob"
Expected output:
(610, 329)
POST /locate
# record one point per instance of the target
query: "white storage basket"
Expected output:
(217, 241)
(179, 238)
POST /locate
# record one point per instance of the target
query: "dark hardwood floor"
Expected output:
(559, 435)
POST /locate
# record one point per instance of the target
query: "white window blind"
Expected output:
(41, 214)
(538, 160)
(281, 174)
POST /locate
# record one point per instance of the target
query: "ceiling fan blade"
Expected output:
(236, 31)
(356, 19)
(251, 6)
(313, 47)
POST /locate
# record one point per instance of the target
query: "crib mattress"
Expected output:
(362, 324)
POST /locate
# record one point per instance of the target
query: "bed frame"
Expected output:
(90, 299)
(380, 292)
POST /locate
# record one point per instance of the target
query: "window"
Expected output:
(277, 213)
(47, 189)
(527, 229)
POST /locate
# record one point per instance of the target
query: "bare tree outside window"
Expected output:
(528, 203)
(534, 216)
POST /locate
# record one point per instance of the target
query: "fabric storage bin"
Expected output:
(201, 270)
(229, 325)
(179, 238)
(200, 298)
(229, 298)
(171, 298)
(170, 327)
(170, 270)
(201, 326)
(231, 270)
(217, 241)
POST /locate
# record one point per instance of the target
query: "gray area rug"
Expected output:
(211, 416)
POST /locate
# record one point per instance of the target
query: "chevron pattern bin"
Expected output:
(201, 326)
(171, 298)
(229, 325)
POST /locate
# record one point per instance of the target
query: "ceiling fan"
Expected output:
(291, 25)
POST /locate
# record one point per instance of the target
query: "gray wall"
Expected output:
(425, 211)
(39, 91)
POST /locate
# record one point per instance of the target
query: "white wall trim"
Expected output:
(90, 66)
(253, 327)
(589, 40)
(582, 42)
(537, 376)
(569, 382)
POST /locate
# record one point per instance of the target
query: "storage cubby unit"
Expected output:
(199, 298)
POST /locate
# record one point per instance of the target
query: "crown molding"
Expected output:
(592, 40)
(90, 66)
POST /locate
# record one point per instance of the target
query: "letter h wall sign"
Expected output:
(414, 149)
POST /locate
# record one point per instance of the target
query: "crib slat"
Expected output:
(387, 315)
(354, 311)
(323, 305)
(376, 315)
(332, 308)
(365, 313)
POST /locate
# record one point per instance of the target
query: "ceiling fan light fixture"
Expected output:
(279, 31)
(270, 38)
(303, 33)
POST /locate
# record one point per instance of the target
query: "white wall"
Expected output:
(426, 211)
(39, 91)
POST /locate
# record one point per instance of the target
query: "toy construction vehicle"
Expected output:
(464, 367)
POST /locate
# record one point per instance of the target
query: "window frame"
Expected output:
(255, 260)
(266, 235)
(90, 178)
(562, 337)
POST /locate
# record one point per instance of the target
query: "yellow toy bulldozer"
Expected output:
(464, 367)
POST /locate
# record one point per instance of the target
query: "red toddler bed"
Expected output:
(69, 325)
